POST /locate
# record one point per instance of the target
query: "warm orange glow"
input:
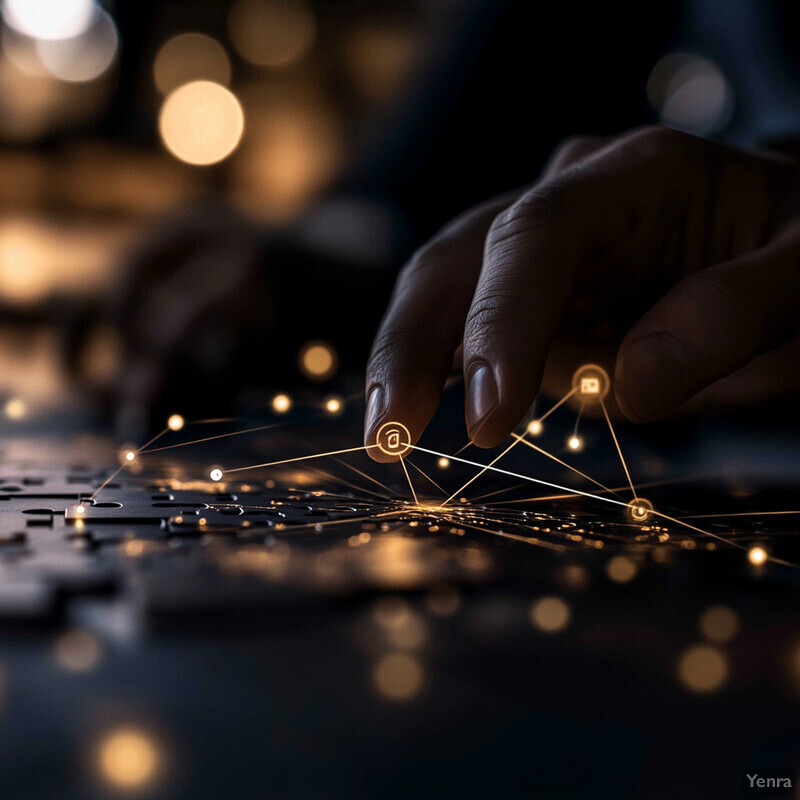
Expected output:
(575, 443)
(201, 123)
(272, 33)
(534, 427)
(398, 676)
(78, 651)
(175, 422)
(443, 463)
(757, 556)
(333, 405)
(190, 57)
(128, 758)
(281, 403)
(621, 569)
(15, 408)
(318, 360)
(550, 614)
(719, 624)
(703, 668)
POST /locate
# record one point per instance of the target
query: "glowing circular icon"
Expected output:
(175, 422)
(640, 509)
(215, 474)
(393, 439)
(591, 383)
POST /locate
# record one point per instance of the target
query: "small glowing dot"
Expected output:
(703, 668)
(333, 405)
(575, 443)
(318, 360)
(534, 427)
(128, 758)
(175, 422)
(398, 676)
(281, 403)
(130, 455)
(550, 614)
(81, 509)
(757, 556)
(621, 569)
(201, 123)
(719, 624)
(640, 509)
(15, 408)
(443, 463)
(215, 474)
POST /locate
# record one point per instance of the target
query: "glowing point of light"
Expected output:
(130, 455)
(333, 405)
(550, 614)
(575, 443)
(128, 758)
(640, 509)
(757, 556)
(201, 123)
(719, 624)
(281, 403)
(318, 360)
(703, 668)
(215, 474)
(15, 408)
(534, 427)
(591, 383)
(176, 422)
(443, 463)
(190, 57)
(49, 19)
(272, 33)
(80, 509)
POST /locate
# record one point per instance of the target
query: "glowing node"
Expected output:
(127, 455)
(80, 509)
(130, 455)
(591, 383)
(575, 443)
(333, 405)
(757, 556)
(640, 509)
(534, 427)
(281, 403)
(215, 474)
(15, 408)
(393, 439)
(201, 123)
(176, 422)
(128, 758)
(318, 360)
(443, 463)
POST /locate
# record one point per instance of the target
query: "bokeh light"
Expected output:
(575, 443)
(703, 668)
(550, 614)
(176, 422)
(49, 19)
(444, 601)
(379, 58)
(318, 360)
(621, 569)
(691, 93)
(719, 624)
(281, 403)
(398, 676)
(81, 58)
(77, 651)
(128, 758)
(201, 123)
(15, 408)
(190, 57)
(534, 427)
(334, 406)
(272, 33)
(757, 556)
(443, 462)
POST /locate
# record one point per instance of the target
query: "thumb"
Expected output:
(710, 324)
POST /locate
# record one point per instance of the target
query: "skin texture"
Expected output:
(672, 261)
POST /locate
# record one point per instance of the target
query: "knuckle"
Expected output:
(573, 147)
(486, 315)
(387, 351)
(515, 223)
(656, 141)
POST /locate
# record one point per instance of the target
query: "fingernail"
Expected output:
(653, 377)
(482, 397)
(376, 407)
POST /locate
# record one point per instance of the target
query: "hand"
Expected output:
(673, 260)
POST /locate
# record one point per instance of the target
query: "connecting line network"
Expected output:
(590, 385)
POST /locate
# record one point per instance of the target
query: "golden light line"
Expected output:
(575, 492)
(558, 404)
(619, 450)
(496, 492)
(206, 439)
(744, 514)
(563, 463)
(301, 458)
(516, 537)
(578, 418)
(475, 477)
(408, 478)
(343, 482)
(365, 475)
(426, 476)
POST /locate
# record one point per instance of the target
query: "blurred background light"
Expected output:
(49, 19)
(550, 614)
(719, 624)
(317, 360)
(691, 93)
(15, 408)
(703, 668)
(77, 651)
(272, 33)
(190, 57)
(201, 123)
(128, 758)
(398, 676)
(621, 569)
(81, 58)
